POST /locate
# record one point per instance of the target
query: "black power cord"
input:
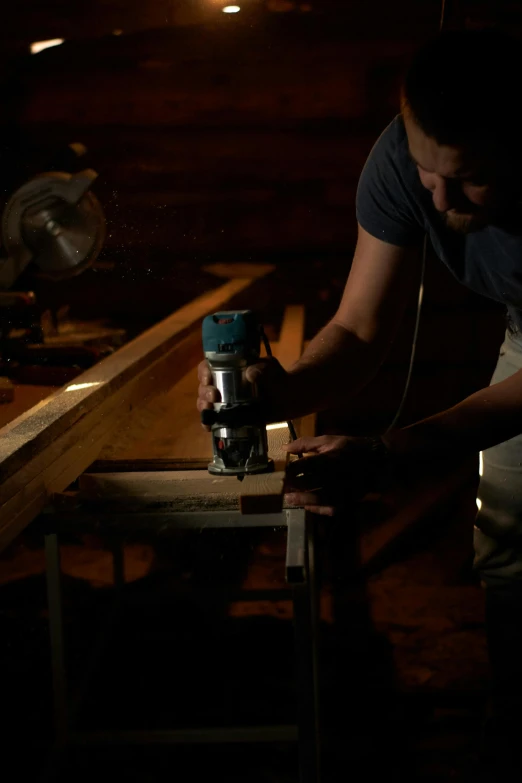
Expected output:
(268, 349)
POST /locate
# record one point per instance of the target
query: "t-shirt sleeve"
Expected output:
(385, 205)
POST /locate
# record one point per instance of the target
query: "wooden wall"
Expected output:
(221, 141)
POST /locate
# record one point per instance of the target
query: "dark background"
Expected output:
(239, 138)
(233, 137)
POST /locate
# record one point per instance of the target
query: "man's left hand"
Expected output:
(339, 469)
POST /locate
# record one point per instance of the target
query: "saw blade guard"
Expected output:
(55, 222)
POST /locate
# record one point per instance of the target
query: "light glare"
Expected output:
(39, 46)
(280, 426)
(78, 386)
(231, 9)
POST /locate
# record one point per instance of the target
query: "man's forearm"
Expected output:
(334, 367)
(486, 418)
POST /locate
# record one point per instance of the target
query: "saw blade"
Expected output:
(72, 238)
(54, 222)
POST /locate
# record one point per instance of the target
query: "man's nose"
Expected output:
(441, 195)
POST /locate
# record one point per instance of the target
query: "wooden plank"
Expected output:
(169, 427)
(185, 490)
(137, 489)
(263, 493)
(278, 436)
(108, 417)
(190, 490)
(47, 447)
(24, 495)
(147, 465)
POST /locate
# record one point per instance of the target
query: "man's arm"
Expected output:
(349, 350)
(486, 418)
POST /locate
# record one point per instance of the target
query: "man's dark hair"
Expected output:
(464, 87)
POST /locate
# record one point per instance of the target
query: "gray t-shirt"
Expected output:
(393, 205)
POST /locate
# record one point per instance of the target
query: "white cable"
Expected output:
(414, 341)
(443, 16)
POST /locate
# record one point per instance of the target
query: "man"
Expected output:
(449, 166)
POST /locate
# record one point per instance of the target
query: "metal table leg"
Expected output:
(300, 559)
(54, 601)
(79, 692)
(301, 578)
(314, 606)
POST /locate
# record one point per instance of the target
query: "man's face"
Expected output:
(468, 190)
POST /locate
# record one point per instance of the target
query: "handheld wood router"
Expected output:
(231, 342)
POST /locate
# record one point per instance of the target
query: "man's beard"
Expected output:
(462, 223)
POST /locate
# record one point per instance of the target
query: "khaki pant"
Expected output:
(498, 532)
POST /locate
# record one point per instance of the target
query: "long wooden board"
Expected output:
(49, 446)
(24, 495)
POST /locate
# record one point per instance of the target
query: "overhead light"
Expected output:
(39, 46)
(231, 9)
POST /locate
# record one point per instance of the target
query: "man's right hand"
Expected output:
(273, 384)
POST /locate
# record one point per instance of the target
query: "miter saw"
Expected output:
(54, 222)
(52, 225)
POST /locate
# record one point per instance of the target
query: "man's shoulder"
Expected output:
(388, 203)
(392, 145)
